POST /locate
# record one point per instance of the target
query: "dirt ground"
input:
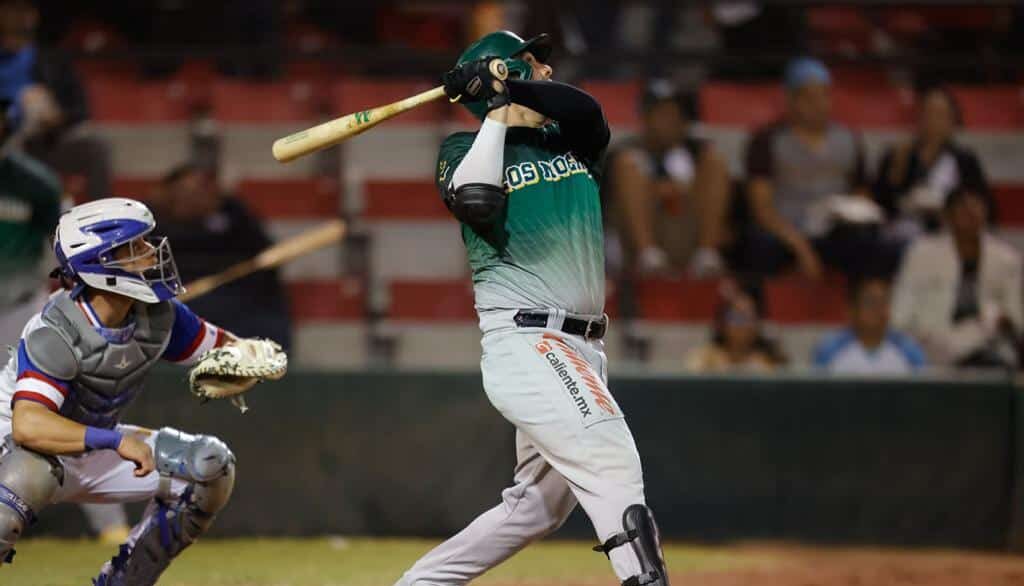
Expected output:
(801, 566)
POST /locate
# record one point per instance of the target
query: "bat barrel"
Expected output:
(334, 131)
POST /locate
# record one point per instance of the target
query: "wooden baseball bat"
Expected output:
(334, 131)
(276, 255)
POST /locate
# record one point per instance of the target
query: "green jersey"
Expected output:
(29, 209)
(548, 253)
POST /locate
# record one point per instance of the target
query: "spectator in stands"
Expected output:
(737, 343)
(50, 102)
(916, 177)
(868, 346)
(211, 231)
(669, 190)
(959, 292)
(807, 190)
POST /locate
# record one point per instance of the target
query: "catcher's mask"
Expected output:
(106, 244)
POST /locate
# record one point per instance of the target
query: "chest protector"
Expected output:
(105, 376)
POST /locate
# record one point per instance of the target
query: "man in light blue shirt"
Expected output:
(868, 346)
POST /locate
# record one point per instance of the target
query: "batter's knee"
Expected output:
(545, 509)
(28, 483)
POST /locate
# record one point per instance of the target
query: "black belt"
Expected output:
(590, 329)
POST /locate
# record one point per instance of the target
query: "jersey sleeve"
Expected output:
(453, 150)
(191, 336)
(35, 385)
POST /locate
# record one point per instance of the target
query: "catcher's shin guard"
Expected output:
(641, 533)
(209, 466)
(28, 482)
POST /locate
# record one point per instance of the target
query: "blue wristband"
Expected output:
(101, 439)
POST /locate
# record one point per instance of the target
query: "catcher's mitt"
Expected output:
(231, 370)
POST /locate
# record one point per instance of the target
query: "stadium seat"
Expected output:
(998, 108)
(794, 300)
(678, 300)
(1010, 202)
(125, 100)
(330, 345)
(744, 105)
(431, 300)
(620, 100)
(245, 101)
(873, 106)
(327, 300)
(134, 187)
(402, 200)
(354, 95)
(291, 198)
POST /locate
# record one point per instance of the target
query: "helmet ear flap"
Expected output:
(518, 69)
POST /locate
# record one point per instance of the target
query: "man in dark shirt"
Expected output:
(212, 231)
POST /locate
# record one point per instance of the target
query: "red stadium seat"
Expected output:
(354, 95)
(327, 300)
(664, 299)
(134, 187)
(440, 300)
(291, 198)
(243, 101)
(797, 300)
(878, 106)
(992, 107)
(745, 105)
(620, 100)
(402, 200)
(119, 99)
(1010, 201)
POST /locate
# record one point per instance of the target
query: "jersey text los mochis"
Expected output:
(531, 172)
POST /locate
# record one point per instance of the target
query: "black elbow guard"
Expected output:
(479, 205)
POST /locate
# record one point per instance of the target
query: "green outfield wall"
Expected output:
(891, 462)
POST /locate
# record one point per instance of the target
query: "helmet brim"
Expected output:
(540, 46)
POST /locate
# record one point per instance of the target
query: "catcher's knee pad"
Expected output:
(641, 533)
(28, 481)
(202, 460)
(208, 466)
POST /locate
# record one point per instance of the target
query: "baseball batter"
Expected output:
(80, 362)
(525, 190)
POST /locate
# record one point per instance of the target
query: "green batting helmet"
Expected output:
(506, 45)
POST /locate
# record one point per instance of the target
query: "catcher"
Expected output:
(83, 359)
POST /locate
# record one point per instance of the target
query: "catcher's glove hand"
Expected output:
(230, 370)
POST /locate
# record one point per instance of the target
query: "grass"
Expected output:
(328, 561)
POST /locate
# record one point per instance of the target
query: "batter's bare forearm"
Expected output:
(35, 427)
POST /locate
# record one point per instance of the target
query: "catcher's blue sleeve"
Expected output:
(191, 336)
